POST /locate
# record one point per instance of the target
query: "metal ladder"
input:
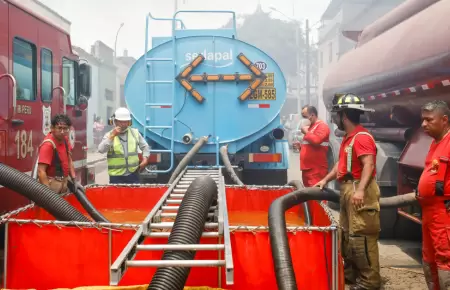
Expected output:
(216, 227)
(149, 82)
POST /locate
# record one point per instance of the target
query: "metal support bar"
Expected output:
(334, 259)
(196, 247)
(229, 267)
(169, 225)
(176, 263)
(166, 234)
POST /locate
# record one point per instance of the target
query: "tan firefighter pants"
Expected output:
(359, 235)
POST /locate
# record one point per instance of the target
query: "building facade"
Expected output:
(342, 23)
(124, 64)
(105, 85)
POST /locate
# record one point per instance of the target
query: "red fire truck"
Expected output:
(40, 76)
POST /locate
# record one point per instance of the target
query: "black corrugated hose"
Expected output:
(299, 185)
(187, 229)
(39, 194)
(186, 159)
(79, 192)
(228, 166)
(279, 244)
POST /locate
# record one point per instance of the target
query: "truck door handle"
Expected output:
(17, 122)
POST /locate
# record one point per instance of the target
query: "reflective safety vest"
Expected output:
(118, 161)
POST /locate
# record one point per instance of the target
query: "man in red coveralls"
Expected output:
(360, 195)
(55, 160)
(434, 197)
(313, 153)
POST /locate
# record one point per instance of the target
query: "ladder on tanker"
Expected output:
(215, 227)
(149, 104)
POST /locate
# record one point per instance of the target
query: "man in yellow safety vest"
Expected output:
(121, 145)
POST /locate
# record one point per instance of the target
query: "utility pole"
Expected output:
(298, 75)
(308, 64)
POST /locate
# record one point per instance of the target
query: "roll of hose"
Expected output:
(187, 230)
(39, 194)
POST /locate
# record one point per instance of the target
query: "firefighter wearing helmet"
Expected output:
(360, 194)
(121, 145)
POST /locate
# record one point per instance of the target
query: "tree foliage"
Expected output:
(275, 37)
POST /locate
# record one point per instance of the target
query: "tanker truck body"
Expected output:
(396, 72)
(199, 83)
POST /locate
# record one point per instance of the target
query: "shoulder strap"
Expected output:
(48, 141)
(349, 149)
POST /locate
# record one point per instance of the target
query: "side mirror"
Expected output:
(85, 80)
(82, 103)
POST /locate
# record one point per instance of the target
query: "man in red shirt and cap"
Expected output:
(434, 196)
(55, 156)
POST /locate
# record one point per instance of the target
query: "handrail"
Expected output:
(14, 92)
(206, 11)
(64, 95)
(167, 19)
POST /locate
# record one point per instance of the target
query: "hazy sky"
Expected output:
(99, 19)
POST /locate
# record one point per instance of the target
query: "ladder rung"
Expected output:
(184, 182)
(196, 247)
(176, 263)
(180, 186)
(158, 127)
(174, 195)
(174, 214)
(160, 151)
(168, 207)
(182, 190)
(159, 82)
(173, 201)
(190, 179)
(158, 59)
(169, 225)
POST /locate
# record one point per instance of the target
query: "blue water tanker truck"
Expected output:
(208, 85)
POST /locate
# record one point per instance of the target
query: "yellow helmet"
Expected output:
(348, 101)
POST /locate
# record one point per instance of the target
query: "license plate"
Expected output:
(263, 94)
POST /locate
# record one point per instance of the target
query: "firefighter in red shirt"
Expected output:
(313, 153)
(55, 160)
(434, 197)
(360, 195)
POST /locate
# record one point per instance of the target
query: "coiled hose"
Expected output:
(299, 185)
(80, 194)
(187, 229)
(228, 166)
(39, 194)
(186, 159)
(279, 244)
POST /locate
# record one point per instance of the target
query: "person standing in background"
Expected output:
(122, 146)
(434, 196)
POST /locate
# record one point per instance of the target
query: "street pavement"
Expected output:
(400, 260)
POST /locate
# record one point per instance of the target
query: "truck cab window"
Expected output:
(69, 81)
(46, 75)
(24, 69)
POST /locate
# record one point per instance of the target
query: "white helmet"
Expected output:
(122, 114)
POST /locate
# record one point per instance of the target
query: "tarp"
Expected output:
(53, 256)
